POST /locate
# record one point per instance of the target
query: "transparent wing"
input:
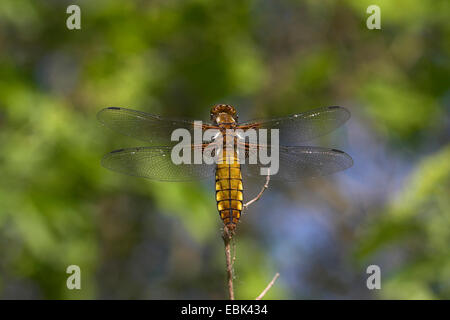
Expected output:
(154, 163)
(297, 163)
(303, 126)
(144, 126)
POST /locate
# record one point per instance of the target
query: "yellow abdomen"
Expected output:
(229, 188)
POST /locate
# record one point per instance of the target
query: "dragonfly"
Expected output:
(295, 162)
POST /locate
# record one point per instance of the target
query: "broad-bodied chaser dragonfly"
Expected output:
(294, 162)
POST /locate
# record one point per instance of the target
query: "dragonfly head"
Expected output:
(223, 113)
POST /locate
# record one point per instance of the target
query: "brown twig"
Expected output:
(227, 236)
(266, 185)
(268, 287)
(234, 252)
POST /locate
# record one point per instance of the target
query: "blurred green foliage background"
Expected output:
(141, 239)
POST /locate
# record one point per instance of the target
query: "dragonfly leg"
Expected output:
(266, 185)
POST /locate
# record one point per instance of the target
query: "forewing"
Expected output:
(297, 163)
(303, 126)
(154, 129)
(154, 163)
